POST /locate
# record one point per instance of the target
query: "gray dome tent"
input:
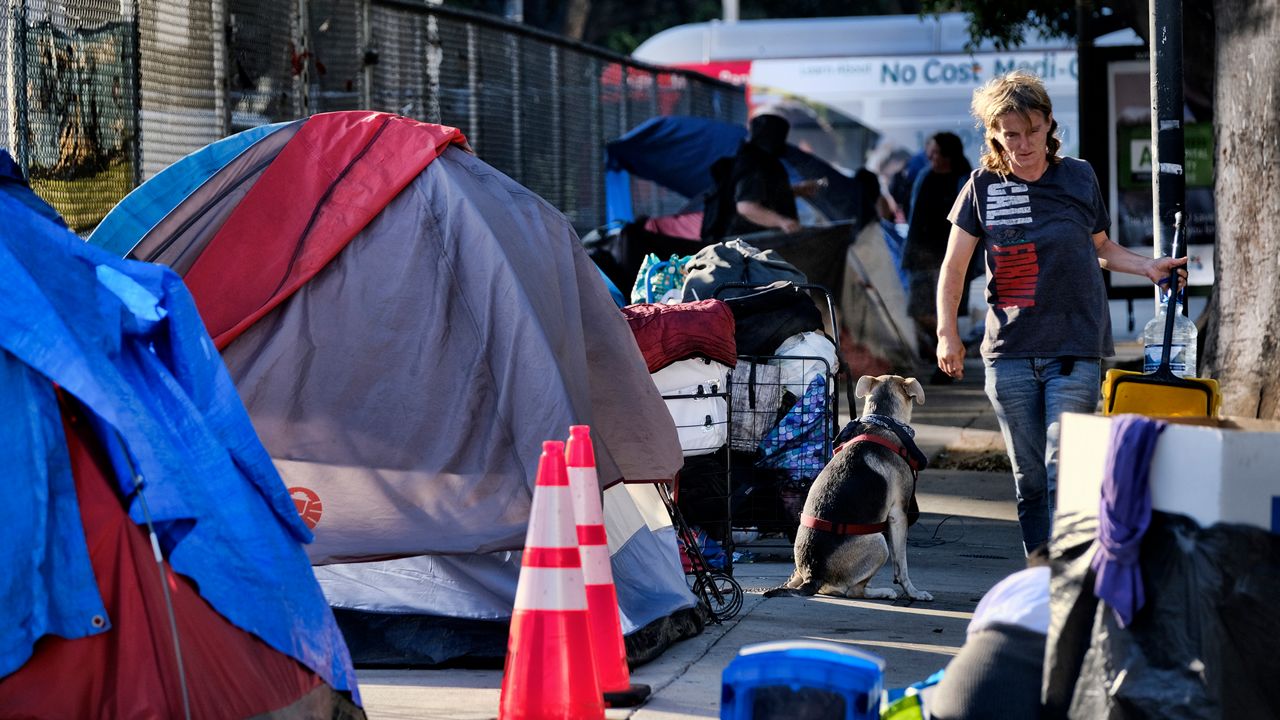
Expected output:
(406, 325)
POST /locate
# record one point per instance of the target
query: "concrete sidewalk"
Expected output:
(967, 539)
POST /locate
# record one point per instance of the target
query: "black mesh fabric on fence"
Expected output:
(263, 62)
(101, 94)
(70, 104)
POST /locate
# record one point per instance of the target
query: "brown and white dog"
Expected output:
(861, 498)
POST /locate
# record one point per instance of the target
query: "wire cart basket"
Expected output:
(784, 417)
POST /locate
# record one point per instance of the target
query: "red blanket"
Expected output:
(667, 333)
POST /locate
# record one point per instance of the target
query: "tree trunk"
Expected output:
(575, 18)
(1247, 194)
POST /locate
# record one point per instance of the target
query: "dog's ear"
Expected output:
(914, 389)
(865, 383)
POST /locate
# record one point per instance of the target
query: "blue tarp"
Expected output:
(675, 151)
(124, 339)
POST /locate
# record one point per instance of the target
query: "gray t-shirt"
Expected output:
(1045, 291)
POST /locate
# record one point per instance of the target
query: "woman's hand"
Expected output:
(951, 354)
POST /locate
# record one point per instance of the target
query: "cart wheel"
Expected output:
(721, 593)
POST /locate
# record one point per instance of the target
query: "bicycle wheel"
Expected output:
(721, 593)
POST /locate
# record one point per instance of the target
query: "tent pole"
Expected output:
(164, 586)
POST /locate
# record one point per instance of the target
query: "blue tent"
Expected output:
(123, 340)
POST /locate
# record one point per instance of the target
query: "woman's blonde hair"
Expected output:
(1018, 92)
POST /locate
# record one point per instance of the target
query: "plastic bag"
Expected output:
(1201, 647)
(660, 281)
(712, 551)
(798, 365)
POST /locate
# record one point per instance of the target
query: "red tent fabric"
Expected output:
(334, 177)
(131, 671)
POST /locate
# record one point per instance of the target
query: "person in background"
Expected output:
(753, 192)
(889, 162)
(932, 196)
(908, 175)
(1043, 224)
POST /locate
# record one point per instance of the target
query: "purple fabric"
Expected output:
(1124, 514)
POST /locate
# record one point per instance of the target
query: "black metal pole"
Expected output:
(1168, 181)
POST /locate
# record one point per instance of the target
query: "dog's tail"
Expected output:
(805, 590)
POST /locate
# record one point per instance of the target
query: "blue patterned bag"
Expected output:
(797, 445)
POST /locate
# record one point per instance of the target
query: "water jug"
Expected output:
(1182, 352)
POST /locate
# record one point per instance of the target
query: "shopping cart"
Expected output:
(784, 417)
(702, 422)
(716, 590)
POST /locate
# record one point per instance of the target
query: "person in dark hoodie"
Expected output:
(753, 192)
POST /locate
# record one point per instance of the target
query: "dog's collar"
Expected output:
(889, 423)
(906, 449)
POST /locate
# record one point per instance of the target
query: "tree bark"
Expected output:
(1247, 196)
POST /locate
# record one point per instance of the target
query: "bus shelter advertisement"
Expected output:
(1132, 158)
(908, 98)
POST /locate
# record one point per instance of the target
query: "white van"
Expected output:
(903, 76)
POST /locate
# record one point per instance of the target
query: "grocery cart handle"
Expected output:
(753, 286)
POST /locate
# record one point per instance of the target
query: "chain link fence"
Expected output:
(99, 95)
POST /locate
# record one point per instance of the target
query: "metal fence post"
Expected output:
(129, 9)
(624, 99)
(517, 104)
(22, 120)
(434, 56)
(302, 38)
(221, 60)
(473, 86)
(367, 54)
(557, 122)
(597, 131)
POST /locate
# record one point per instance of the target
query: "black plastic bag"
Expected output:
(1203, 646)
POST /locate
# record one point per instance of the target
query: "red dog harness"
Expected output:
(886, 443)
(810, 521)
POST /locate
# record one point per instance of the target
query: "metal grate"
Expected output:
(117, 91)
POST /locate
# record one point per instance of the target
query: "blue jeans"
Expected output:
(1029, 396)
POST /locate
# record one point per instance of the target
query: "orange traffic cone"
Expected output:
(607, 646)
(549, 674)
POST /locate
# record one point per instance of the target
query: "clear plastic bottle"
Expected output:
(1182, 352)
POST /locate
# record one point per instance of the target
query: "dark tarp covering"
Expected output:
(677, 152)
(1203, 646)
(387, 640)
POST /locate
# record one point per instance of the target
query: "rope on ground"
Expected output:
(935, 540)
